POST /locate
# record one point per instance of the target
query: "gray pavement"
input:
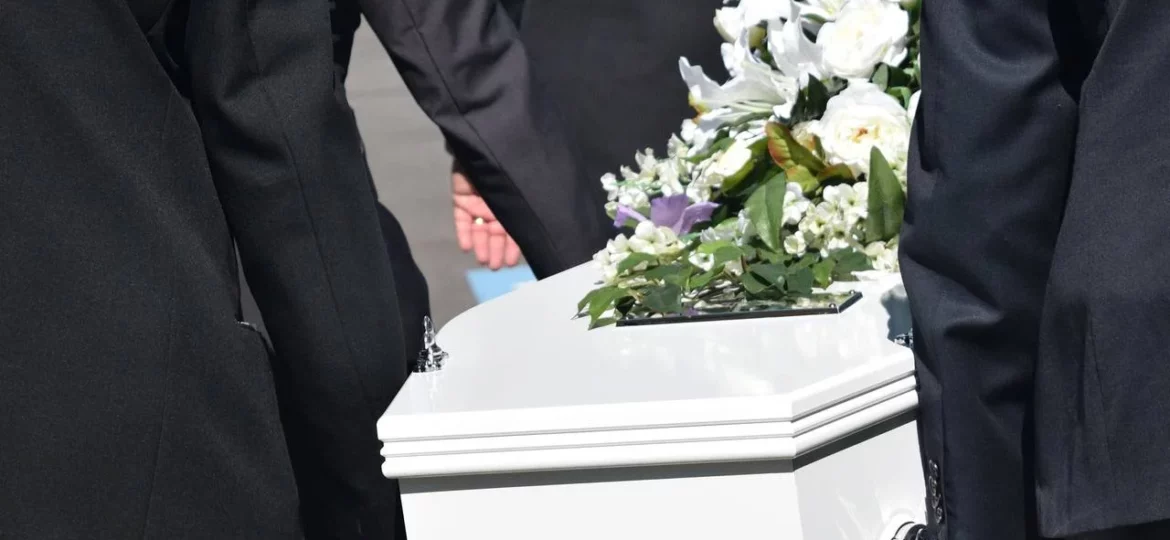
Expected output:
(412, 173)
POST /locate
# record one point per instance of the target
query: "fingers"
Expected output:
(475, 206)
(460, 185)
(479, 238)
(463, 224)
(496, 245)
(476, 227)
(511, 253)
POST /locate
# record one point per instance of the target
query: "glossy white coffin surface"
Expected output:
(538, 428)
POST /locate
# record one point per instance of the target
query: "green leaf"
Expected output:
(701, 280)
(749, 253)
(847, 262)
(901, 93)
(833, 86)
(823, 272)
(765, 209)
(836, 174)
(773, 256)
(727, 254)
(881, 77)
(773, 274)
(800, 281)
(886, 200)
(664, 299)
(605, 299)
(598, 323)
(752, 284)
(810, 102)
(787, 153)
(585, 301)
(721, 143)
(676, 274)
(710, 248)
(633, 260)
(801, 175)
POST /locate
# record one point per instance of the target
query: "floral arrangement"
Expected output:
(791, 176)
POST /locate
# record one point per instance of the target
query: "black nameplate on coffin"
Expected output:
(820, 304)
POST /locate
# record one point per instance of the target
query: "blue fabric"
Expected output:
(488, 284)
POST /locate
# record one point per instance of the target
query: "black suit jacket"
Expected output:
(1034, 252)
(465, 65)
(612, 66)
(140, 139)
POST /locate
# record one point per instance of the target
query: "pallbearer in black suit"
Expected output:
(474, 80)
(611, 68)
(139, 140)
(1035, 254)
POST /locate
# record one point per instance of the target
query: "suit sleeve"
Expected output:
(515, 9)
(465, 66)
(286, 159)
(989, 170)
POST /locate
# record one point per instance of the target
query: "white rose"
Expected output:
(865, 34)
(913, 108)
(803, 134)
(857, 120)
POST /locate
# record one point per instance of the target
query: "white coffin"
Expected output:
(779, 428)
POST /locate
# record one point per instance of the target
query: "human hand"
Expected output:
(476, 227)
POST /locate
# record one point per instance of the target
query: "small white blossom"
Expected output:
(795, 204)
(836, 242)
(727, 230)
(816, 221)
(883, 257)
(608, 259)
(795, 244)
(706, 262)
(651, 239)
(850, 202)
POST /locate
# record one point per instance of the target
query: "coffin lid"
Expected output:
(527, 388)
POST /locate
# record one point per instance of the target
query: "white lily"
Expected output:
(822, 10)
(733, 22)
(792, 51)
(755, 86)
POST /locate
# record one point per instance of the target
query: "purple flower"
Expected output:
(675, 212)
